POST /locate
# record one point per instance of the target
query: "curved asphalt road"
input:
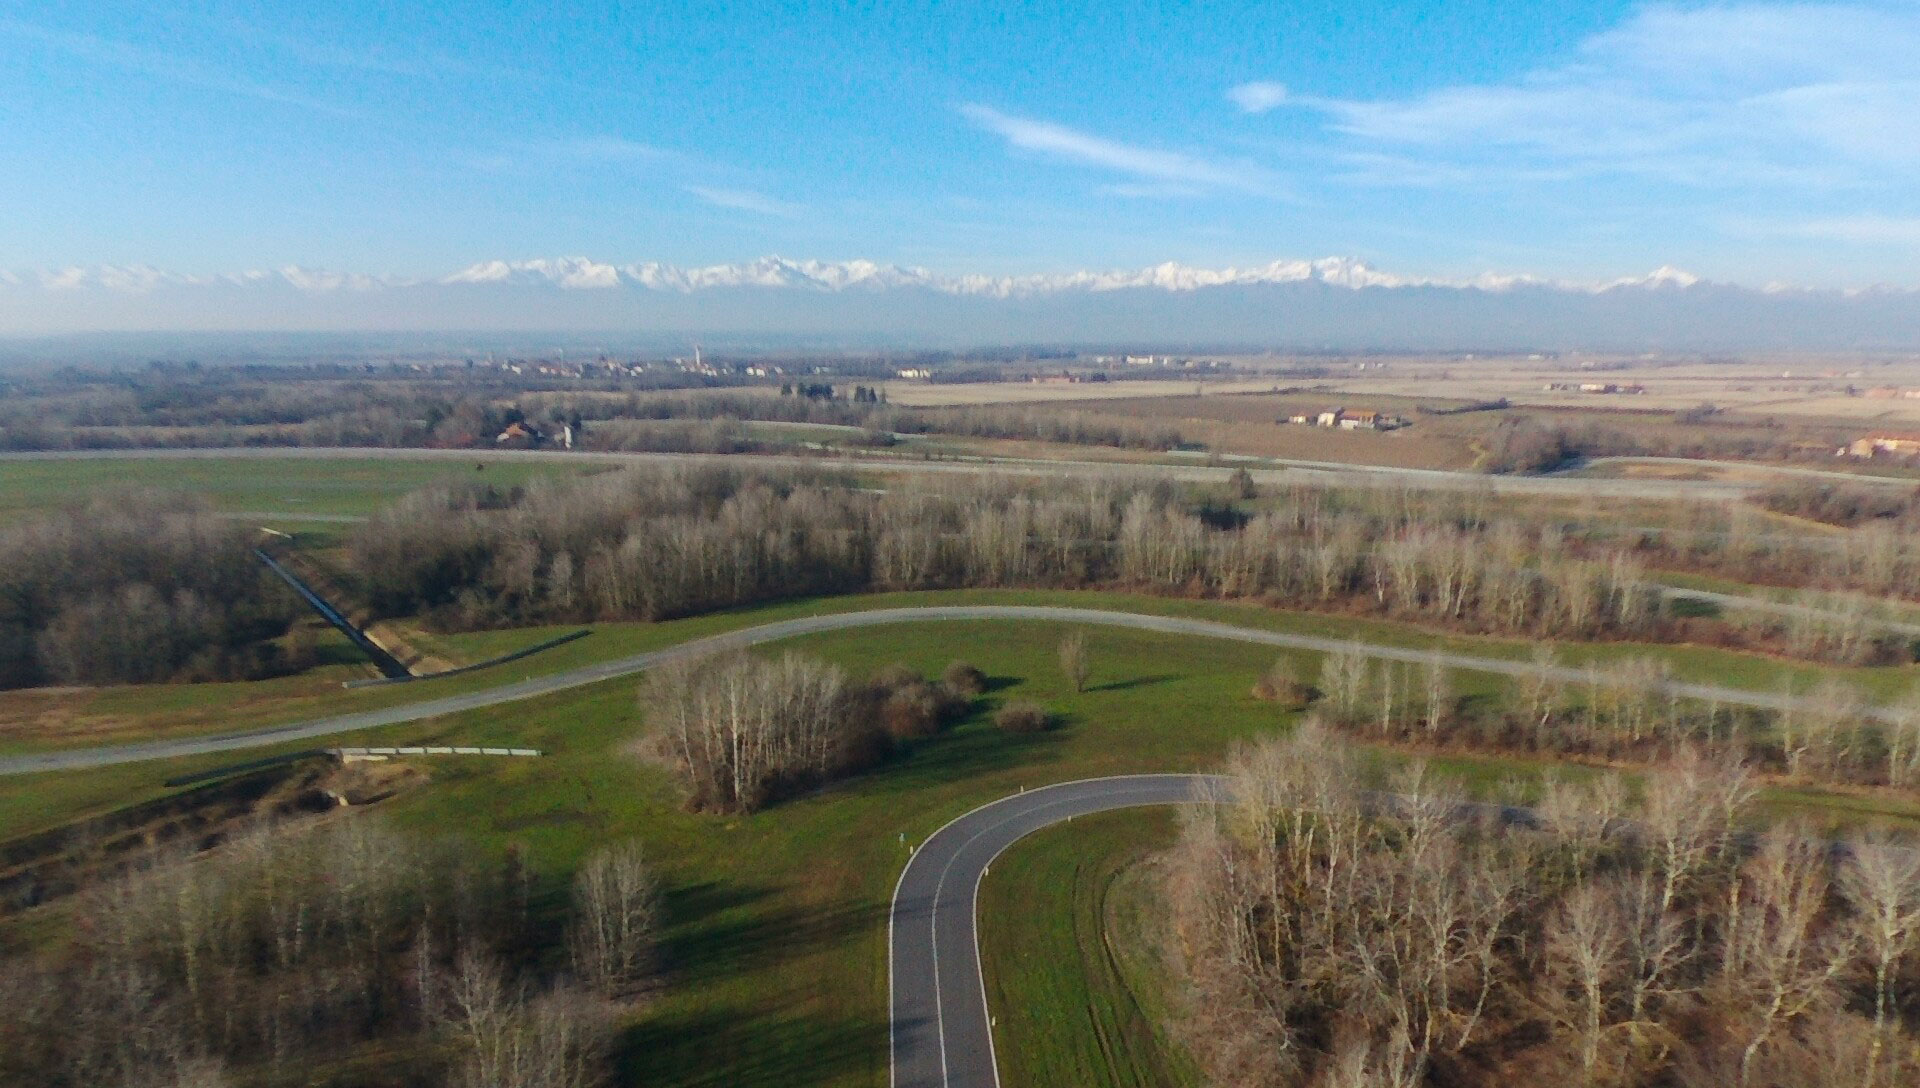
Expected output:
(75, 759)
(1268, 471)
(941, 1035)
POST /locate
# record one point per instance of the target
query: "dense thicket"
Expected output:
(1543, 442)
(1330, 935)
(283, 948)
(136, 589)
(1844, 504)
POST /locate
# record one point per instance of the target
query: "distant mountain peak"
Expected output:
(776, 272)
(1319, 303)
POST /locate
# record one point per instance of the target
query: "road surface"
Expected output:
(941, 1035)
(1310, 473)
(75, 759)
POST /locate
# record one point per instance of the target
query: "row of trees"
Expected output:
(136, 588)
(1621, 710)
(286, 944)
(1329, 934)
(659, 543)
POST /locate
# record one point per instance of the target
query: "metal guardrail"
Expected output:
(431, 750)
(342, 754)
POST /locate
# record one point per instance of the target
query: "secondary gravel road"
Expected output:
(941, 1034)
(839, 621)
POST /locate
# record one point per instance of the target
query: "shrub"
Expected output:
(893, 677)
(912, 711)
(962, 678)
(1022, 716)
(1279, 685)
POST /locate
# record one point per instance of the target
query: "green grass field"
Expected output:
(50, 719)
(1074, 978)
(281, 490)
(775, 949)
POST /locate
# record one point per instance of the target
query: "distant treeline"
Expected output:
(137, 588)
(396, 415)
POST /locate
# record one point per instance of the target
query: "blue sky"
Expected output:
(1752, 143)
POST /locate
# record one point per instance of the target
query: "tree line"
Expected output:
(1624, 710)
(276, 950)
(1325, 933)
(656, 543)
(401, 414)
(137, 588)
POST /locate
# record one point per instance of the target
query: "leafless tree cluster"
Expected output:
(664, 543)
(1842, 504)
(1622, 710)
(286, 944)
(1880, 558)
(1331, 935)
(742, 731)
(136, 589)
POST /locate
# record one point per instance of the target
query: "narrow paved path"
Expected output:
(941, 1034)
(839, 621)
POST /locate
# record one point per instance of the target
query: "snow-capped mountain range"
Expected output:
(584, 273)
(1332, 302)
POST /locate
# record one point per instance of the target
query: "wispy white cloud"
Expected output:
(745, 200)
(612, 149)
(1258, 97)
(160, 65)
(1152, 190)
(1865, 230)
(1792, 95)
(1148, 163)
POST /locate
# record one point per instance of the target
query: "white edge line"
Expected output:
(979, 967)
(893, 909)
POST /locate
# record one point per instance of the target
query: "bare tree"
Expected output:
(1881, 880)
(616, 916)
(1780, 963)
(1074, 665)
(1585, 945)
